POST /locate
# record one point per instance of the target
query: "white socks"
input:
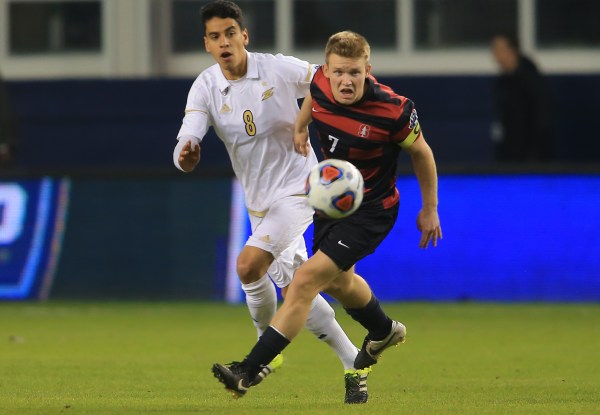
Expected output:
(261, 299)
(322, 323)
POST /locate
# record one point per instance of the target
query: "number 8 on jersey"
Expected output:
(249, 121)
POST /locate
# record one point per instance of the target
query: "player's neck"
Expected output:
(237, 72)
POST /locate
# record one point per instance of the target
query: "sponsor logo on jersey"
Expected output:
(268, 93)
(363, 130)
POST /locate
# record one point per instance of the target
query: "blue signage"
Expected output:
(32, 218)
(506, 238)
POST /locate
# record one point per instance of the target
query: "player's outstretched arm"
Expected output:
(428, 221)
(301, 142)
(187, 154)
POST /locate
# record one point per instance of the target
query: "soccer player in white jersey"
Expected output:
(250, 100)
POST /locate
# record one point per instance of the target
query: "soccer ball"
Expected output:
(334, 188)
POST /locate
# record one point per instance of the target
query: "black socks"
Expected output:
(270, 344)
(373, 318)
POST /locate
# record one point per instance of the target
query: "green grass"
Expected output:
(155, 358)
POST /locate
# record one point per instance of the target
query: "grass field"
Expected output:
(155, 358)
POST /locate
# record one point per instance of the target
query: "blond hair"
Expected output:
(347, 44)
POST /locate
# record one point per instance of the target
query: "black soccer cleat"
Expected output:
(356, 386)
(234, 376)
(372, 349)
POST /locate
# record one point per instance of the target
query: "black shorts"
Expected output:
(348, 240)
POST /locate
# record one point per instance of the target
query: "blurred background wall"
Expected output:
(92, 207)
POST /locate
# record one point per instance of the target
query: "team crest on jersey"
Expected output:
(268, 93)
(414, 120)
(225, 109)
(363, 130)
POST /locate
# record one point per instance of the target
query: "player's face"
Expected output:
(347, 77)
(506, 57)
(226, 42)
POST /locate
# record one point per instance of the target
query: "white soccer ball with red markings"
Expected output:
(334, 188)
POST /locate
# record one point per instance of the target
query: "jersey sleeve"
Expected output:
(297, 73)
(407, 128)
(196, 120)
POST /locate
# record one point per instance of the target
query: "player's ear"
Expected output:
(246, 37)
(206, 44)
(368, 68)
(326, 70)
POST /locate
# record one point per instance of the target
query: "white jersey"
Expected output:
(254, 116)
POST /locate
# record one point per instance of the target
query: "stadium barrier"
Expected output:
(506, 238)
(93, 207)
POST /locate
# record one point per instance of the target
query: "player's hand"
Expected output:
(428, 222)
(301, 143)
(189, 157)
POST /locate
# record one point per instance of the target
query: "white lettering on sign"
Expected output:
(13, 200)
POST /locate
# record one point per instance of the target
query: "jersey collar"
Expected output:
(252, 73)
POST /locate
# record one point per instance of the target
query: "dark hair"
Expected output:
(223, 9)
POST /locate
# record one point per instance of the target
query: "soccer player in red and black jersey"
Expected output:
(368, 124)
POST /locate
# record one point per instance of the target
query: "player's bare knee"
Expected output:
(248, 271)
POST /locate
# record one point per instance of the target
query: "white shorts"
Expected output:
(280, 232)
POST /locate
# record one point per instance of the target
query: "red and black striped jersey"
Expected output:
(369, 133)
